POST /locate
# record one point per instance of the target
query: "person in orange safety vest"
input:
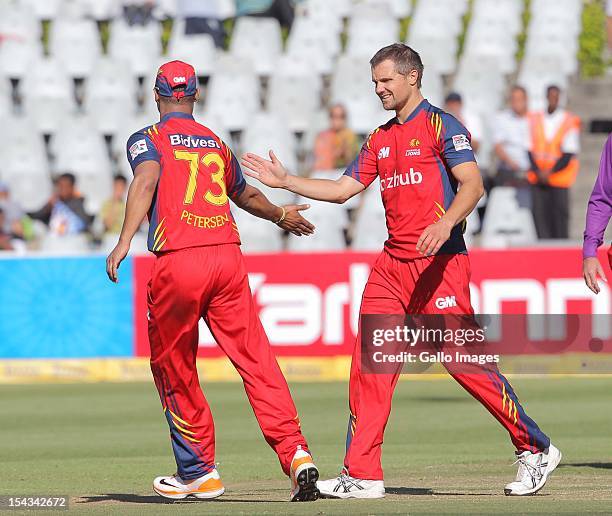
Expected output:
(554, 165)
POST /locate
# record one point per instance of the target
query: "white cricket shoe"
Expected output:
(208, 486)
(304, 475)
(533, 471)
(346, 486)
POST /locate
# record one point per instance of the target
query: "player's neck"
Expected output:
(411, 104)
(174, 109)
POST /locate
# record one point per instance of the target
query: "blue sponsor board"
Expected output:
(64, 308)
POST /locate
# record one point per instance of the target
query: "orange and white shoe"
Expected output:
(304, 475)
(208, 486)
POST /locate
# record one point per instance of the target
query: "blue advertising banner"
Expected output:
(64, 307)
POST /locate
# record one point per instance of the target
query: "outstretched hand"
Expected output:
(270, 172)
(591, 271)
(294, 222)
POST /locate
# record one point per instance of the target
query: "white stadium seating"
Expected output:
(79, 148)
(196, 49)
(508, 220)
(52, 99)
(330, 221)
(233, 93)
(294, 93)
(110, 95)
(23, 163)
(140, 45)
(259, 41)
(76, 44)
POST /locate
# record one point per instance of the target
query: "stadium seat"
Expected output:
(352, 86)
(369, 231)
(52, 99)
(232, 94)
(46, 10)
(430, 16)
(337, 9)
(140, 45)
(6, 102)
(21, 33)
(330, 221)
(259, 41)
(76, 44)
(370, 28)
(269, 131)
(314, 42)
(257, 235)
(432, 88)
(481, 83)
(508, 219)
(23, 163)
(66, 244)
(294, 94)
(196, 49)
(109, 96)
(398, 8)
(438, 51)
(79, 148)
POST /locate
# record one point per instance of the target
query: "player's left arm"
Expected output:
(458, 154)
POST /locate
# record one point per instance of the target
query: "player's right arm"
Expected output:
(273, 174)
(145, 162)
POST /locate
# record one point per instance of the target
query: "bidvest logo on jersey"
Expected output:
(412, 177)
(193, 142)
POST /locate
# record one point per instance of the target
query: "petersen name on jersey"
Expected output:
(199, 173)
(413, 161)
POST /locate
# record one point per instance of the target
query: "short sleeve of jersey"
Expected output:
(364, 168)
(457, 144)
(140, 148)
(234, 179)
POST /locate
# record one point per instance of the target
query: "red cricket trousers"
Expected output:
(211, 282)
(396, 287)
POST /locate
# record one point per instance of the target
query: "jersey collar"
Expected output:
(422, 106)
(176, 114)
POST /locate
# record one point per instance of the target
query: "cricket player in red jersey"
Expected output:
(184, 176)
(421, 157)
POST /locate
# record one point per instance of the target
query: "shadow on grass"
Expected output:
(159, 500)
(597, 465)
(426, 491)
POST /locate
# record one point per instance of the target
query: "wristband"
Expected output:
(282, 217)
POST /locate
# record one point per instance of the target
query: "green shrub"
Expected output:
(592, 39)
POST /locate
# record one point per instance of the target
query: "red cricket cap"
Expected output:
(175, 74)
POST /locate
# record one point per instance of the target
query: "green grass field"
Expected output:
(102, 444)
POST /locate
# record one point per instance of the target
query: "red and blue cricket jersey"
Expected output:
(413, 161)
(199, 174)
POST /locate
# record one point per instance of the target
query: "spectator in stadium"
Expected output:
(5, 236)
(113, 209)
(598, 216)
(139, 12)
(282, 10)
(453, 104)
(64, 213)
(554, 145)
(202, 18)
(337, 146)
(511, 140)
(13, 213)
